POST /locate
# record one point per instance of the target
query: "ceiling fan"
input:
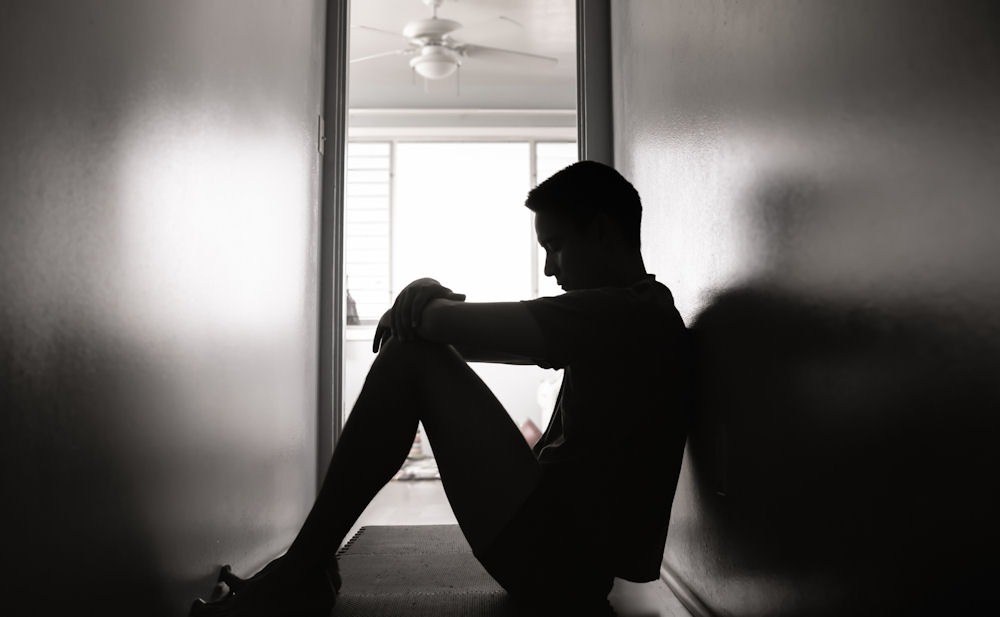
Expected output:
(436, 54)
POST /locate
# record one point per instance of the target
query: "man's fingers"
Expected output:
(406, 315)
(383, 330)
(407, 311)
(403, 314)
(428, 295)
(397, 311)
(417, 308)
(382, 335)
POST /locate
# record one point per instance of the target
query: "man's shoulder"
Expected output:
(647, 289)
(644, 302)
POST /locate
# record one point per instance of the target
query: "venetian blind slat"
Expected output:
(368, 182)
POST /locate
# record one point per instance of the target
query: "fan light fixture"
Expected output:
(436, 54)
(435, 62)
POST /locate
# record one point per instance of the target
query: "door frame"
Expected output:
(593, 81)
(594, 136)
(333, 140)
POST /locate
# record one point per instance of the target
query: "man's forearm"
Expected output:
(437, 323)
(477, 355)
(491, 331)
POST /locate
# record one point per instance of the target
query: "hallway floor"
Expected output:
(425, 503)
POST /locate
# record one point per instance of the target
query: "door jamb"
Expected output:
(331, 234)
(594, 136)
(593, 77)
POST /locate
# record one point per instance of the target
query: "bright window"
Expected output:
(458, 217)
(367, 232)
(450, 210)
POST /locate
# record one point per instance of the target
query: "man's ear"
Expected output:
(607, 233)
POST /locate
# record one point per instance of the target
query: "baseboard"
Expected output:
(683, 593)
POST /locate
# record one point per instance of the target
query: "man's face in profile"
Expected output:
(572, 254)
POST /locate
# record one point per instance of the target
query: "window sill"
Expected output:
(359, 333)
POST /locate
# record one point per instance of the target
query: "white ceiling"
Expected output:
(547, 27)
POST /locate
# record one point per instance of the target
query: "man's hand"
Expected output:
(403, 319)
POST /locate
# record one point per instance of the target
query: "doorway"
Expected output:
(461, 136)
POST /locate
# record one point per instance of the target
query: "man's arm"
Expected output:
(502, 332)
(492, 357)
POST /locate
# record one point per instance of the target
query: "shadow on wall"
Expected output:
(845, 449)
(113, 475)
(70, 500)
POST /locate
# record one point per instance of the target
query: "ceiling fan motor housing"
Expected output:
(435, 62)
(430, 30)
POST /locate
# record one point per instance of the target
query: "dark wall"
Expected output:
(158, 295)
(821, 193)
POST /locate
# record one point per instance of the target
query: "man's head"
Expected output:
(587, 219)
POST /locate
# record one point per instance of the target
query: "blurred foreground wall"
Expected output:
(821, 193)
(159, 191)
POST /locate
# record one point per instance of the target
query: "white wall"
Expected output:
(820, 191)
(158, 295)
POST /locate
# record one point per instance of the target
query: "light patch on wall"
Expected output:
(814, 213)
(181, 196)
(693, 264)
(215, 251)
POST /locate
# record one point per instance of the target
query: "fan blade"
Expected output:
(511, 21)
(489, 26)
(380, 31)
(395, 52)
(504, 55)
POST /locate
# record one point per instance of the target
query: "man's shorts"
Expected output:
(543, 560)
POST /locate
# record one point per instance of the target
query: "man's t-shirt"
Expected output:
(612, 451)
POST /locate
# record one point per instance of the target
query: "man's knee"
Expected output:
(415, 355)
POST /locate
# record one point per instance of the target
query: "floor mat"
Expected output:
(416, 571)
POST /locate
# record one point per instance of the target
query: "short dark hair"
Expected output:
(588, 188)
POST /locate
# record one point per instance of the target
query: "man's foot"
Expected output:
(235, 583)
(275, 591)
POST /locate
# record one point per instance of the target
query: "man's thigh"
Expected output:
(547, 566)
(487, 468)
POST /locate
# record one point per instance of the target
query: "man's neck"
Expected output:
(630, 271)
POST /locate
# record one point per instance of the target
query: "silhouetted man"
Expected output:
(553, 524)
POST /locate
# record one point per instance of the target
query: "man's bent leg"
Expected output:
(487, 468)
